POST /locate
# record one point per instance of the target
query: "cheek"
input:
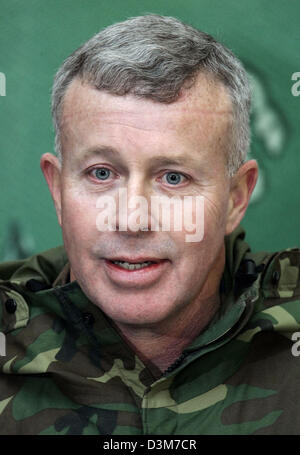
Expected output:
(196, 256)
(78, 220)
(215, 212)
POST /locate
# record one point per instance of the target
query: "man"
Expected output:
(137, 330)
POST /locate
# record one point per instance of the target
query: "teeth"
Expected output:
(128, 266)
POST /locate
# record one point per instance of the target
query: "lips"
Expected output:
(137, 260)
(138, 271)
(133, 266)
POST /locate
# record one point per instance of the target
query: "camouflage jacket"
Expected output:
(67, 370)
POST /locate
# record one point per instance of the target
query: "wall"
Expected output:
(35, 37)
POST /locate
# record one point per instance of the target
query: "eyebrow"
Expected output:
(165, 161)
(112, 153)
(105, 151)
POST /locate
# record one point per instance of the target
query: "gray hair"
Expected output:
(153, 57)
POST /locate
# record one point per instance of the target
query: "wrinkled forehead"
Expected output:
(203, 110)
(205, 93)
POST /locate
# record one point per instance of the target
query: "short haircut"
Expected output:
(154, 57)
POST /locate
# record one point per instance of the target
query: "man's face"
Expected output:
(149, 149)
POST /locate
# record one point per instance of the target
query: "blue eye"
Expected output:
(173, 178)
(102, 173)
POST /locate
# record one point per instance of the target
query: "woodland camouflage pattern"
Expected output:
(67, 369)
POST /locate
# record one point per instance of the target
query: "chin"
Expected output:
(133, 310)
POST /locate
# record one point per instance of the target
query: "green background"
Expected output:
(35, 37)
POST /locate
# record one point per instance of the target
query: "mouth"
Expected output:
(135, 264)
(135, 272)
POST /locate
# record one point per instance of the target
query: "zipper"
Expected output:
(181, 358)
(175, 364)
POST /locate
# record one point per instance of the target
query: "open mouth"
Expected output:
(133, 266)
(135, 272)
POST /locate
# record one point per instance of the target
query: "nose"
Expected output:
(133, 213)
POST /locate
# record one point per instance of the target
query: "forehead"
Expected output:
(201, 113)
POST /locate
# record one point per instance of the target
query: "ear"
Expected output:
(51, 169)
(242, 186)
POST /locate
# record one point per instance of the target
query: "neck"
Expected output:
(160, 344)
(159, 347)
